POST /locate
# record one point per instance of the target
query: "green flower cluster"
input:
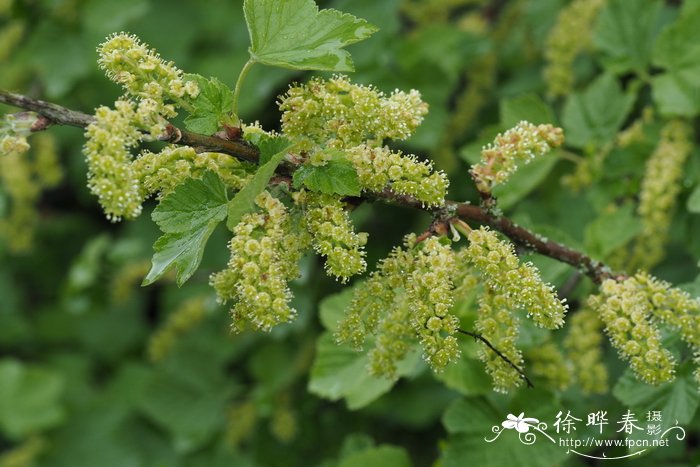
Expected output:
(570, 35)
(519, 285)
(379, 167)
(338, 114)
(265, 250)
(500, 327)
(627, 312)
(23, 176)
(179, 322)
(583, 345)
(550, 365)
(163, 171)
(660, 188)
(522, 143)
(332, 234)
(409, 296)
(143, 74)
(111, 176)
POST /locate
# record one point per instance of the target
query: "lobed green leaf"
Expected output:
(295, 34)
(187, 216)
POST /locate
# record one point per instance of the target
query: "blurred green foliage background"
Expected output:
(96, 371)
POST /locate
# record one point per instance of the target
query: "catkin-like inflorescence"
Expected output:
(659, 190)
(583, 345)
(408, 297)
(626, 312)
(143, 74)
(547, 362)
(570, 35)
(499, 326)
(179, 322)
(265, 250)
(520, 144)
(162, 172)
(23, 176)
(336, 113)
(429, 289)
(379, 167)
(671, 306)
(333, 235)
(519, 284)
(111, 176)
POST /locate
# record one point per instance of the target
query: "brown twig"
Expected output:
(500, 354)
(55, 114)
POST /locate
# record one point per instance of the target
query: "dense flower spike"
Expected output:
(583, 345)
(522, 143)
(379, 168)
(162, 172)
(143, 74)
(111, 177)
(518, 284)
(336, 113)
(499, 326)
(660, 187)
(408, 297)
(549, 363)
(627, 313)
(180, 321)
(23, 176)
(265, 251)
(671, 306)
(333, 236)
(570, 35)
(374, 297)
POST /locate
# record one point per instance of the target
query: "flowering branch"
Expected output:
(50, 114)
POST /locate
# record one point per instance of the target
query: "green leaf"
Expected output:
(190, 412)
(528, 107)
(677, 400)
(611, 231)
(29, 399)
(380, 456)
(337, 177)
(693, 203)
(341, 373)
(625, 33)
(677, 92)
(295, 34)
(211, 106)
(187, 216)
(244, 201)
(593, 117)
(470, 421)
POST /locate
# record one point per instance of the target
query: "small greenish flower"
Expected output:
(499, 326)
(265, 252)
(583, 345)
(519, 284)
(549, 364)
(143, 74)
(379, 168)
(627, 314)
(338, 114)
(570, 35)
(659, 190)
(520, 144)
(333, 235)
